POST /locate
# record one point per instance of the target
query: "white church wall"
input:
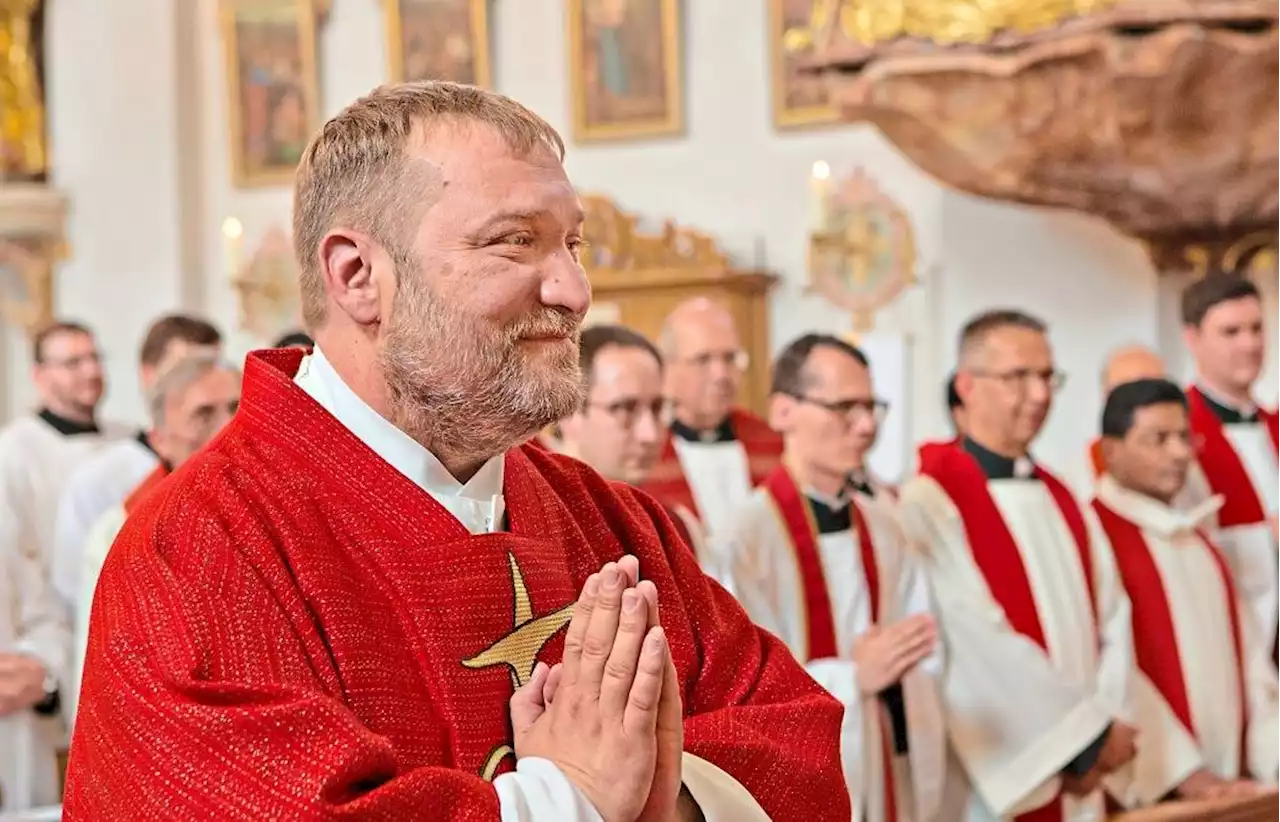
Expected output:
(147, 236)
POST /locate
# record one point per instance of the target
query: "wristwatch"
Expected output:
(52, 699)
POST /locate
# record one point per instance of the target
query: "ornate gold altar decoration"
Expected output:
(1158, 115)
(862, 250)
(22, 131)
(32, 243)
(615, 242)
(267, 284)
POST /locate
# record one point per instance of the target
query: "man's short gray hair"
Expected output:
(180, 376)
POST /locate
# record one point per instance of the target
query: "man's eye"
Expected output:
(515, 239)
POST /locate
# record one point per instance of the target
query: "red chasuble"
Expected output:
(1221, 464)
(996, 553)
(1155, 642)
(794, 510)
(145, 487)
(291, 629)
(763, 445)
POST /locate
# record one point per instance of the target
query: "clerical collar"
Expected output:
(721, 433)
(67, 427)
(997, 466)
(1227, 411)
(860, 482)
(317, 377)
(831, 515)
(142, 439)
(1150, 513)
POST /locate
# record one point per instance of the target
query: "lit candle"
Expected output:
(232, 236)
(819, 180)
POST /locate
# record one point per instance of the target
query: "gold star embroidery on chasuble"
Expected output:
(519, 648)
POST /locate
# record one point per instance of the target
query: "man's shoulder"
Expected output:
(108, 461)
(18, 432)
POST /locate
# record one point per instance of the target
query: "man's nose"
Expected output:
(565, 285)
(648, 428)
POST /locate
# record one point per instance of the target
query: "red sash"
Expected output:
(821, 633)
(996, 553)
(762, 444)
(1222, 466)
(144, 488)
(1155, 641)
(1095, 458)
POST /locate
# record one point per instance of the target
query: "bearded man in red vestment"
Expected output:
(363, 601)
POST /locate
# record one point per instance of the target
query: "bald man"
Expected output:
(1127, 364)
(714, 453)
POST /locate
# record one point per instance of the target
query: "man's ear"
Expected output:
(348, 263)
(1190, 337)
(780, 408)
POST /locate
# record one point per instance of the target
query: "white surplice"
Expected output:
(99, 484)
(538, 791)
(1201, 609)
(1250, 549)
(1018, 714)
(719, 478)
(94, 553)
(767, 581)
(31, 623)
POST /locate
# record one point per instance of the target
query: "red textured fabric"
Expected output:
(1221, 464)
(281, 630)
(996, 554)
(145, 487)
(1154, 638)
(763, 445)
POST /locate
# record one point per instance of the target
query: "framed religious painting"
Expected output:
(272, 86)
(625, 68)
(439, 40)
(799, 99)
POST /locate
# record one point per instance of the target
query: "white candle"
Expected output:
(819, 181)
(232, 236)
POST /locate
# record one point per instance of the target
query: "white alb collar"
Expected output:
(317, 377)
(1152, 514)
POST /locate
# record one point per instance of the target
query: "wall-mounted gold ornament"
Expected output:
(23, 153)
(266, 284)
(32, 243)
(615, 242)
(862, 248)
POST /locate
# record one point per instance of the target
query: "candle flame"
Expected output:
(232, 229)
(821, 170)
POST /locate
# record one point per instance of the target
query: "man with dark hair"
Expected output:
(38, 452)
(1026, 594)
(294, 339)
(1200, 657)
(104, 480)
(619, 428)
(716, 451)
(828, 572)
(1236, 440)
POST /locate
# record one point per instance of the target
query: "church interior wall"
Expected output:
(138, 112)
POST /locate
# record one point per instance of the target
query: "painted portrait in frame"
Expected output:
(272, 86)
(625, 68)
(439, 40)
(798, 99)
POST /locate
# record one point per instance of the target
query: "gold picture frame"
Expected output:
(408, 18)
(657, 109)
(797, 102)
(273, 87)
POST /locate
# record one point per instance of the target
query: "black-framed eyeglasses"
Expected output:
(1022, 377)
(75, 363)
(851, 408)
(627, 412)
(731, 359)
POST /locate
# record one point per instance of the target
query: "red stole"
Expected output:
(1095, 458)
(819, 619)
(682, 529)
(145, 487)
(996, 553)
(1222, 466)
(762, 444)
(1155, 641)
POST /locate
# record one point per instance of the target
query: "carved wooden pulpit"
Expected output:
(637, 278)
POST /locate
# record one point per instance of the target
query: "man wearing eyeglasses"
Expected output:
(38, 453)
(814, 562)
(716, 453)
(1036, 625)
(620, 427)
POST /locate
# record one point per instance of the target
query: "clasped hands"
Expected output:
(609, 715)
(884, 654)
(21, 682)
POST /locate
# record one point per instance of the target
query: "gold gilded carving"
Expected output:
(267, 285)
(29, 265)
(941, 21)
(22, 134)
(614, 242)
